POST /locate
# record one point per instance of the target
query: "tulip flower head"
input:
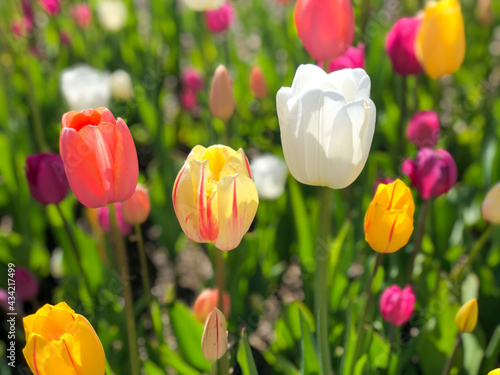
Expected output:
(327, 123)
(50, 6)
(466, 318)
(46, 178)
(82, 15)
(99, 157)
(207, 301)
(188, 100)
(4, 300)
(59, 341)
(423, 129)
(136, 209)
(219, 20)
(354, 57)
(22, 27)
(214, 339)
(192, 80)
(269, 173)
(494, 372)
(221, 99)
(203, 5)
(121, 86)
(112, 14)
(396, 304)
(26, 284)
(389, 219)
(400, 46)
(490, 208)
(258, 83)
(440, 42)
(325, 27)
(105, 223)
(214, 197)
(432, 173)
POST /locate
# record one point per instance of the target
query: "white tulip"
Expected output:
(84, 87)
(112, 14)
(121, 86)
(203, 5)
(491, 205)
(327, 123)
(269, 175)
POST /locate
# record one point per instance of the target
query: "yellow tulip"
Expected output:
(214, 197)
(389, 219)
(466, 318)
(494, 372)
(58, 341)
(440, 42)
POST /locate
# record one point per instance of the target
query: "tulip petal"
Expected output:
(214, 339)
(47, 357)
(236, 163)
(91, 353)
(307, 76)
(126, 165)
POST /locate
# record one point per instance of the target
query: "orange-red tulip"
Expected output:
(207, 301)
(325, 27)
(99, 157)
(258, 83)
(136, 209)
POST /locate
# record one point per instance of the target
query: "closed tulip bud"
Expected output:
(269, 173)
(105, 223)
(396, 305)
(99, 157)
(50, 6)
(192, 80)
(258, 83)
(59, 341)
(490, 208)
(389, 219)
(220, 19)
(136, 209)
(432, 173)
(121, 86)
(82, 15)
(46, 178)
(325, 27)
(26, 284)
(466, 318)
(214, 339)
(112, 14)
(221, 99)
(423, 129)
(207, 301)
(354, 57)
(188, 100)
(214, 197)
(494, 372)
(440, 43)
(203, 5)
(400, 46)
(327, 123)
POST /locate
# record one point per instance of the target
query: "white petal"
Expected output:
(307, 77)
(269, 173)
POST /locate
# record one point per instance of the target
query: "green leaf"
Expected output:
(309, 362)
(156, 318)
(473, 354)
(151, 369)
(293, 313)
(492, 352)
(170, 358)
(245, 357)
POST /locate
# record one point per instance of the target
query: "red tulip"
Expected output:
(325, 27)
(99, 157)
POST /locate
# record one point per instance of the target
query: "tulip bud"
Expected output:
(192, 80)
(400, 46)
(50, 6)
(389, 218)
(58, 341)
(221, 99)
(397, 305)
(269, 173)
(207, 301)
(136, 209)
(432, 173)
(121, 86)
(440, 42)
(354, 57)
(26, 284)
(214, 339)
(112, 14)
(82, 15)
(466, 318)
(490, 208)
(46, 178)
(258, 83)
(104, 221)
(325, 27)
(22, 27)
(188, 100)
(219, 20)
(494, 372)
(423, 129)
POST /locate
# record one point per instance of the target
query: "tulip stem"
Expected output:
(361, 329)
(220, 276)
(392, 336)
(418, 238)
(401, 126)
(447, 368)
(321, 287)
(146, 285)
(121, 257)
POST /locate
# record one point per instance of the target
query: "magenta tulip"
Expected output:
(26, 284)
(104, 222)
(192, 80)
(400, 46)
(432, 173)
(219, 20)
(52, 7)
(354, 57)
(423, 129)
(397, 305)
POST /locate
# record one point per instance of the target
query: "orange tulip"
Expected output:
(258, 83)
(207, 301)
(136, 209)
(99, 157)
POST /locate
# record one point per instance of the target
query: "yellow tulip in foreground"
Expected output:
(494, 372)
(389, 219)
(58, 341)
(214, 197)
(466, 318)
(440, 43)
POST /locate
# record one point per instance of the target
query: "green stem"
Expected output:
(220, 274)
(361, 329)
(401, 126)
(392, 335)
(365, 15)
(321, 287)
(418, 239)
(121, 257)
(447, 368)
(146, 285)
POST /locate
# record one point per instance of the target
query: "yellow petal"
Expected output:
(236, 163)
(91, 356)
(214, 339)
(466, 318)
(494, 372)
(46, 357)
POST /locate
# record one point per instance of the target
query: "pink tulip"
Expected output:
(400, 46)
(325, 27)
(105, 223)
(65, 39)
(188, 100)
(4, 300)
(258, 83)
(432, 173)
(397, 305)
(219, 20)
(354, 57)
(423, 129)
(26, 284)
(22, 27)
(82, 15)
(192, 80)
(52, 7)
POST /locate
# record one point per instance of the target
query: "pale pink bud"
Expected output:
(82, 14)
(258, 83)
(221, 99)
(219, 20)
(207, 301)
(397, 305)
(491, 205)
(423, 129)
(136, 209)
(214, 339)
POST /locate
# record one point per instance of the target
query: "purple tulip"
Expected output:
(353, 57)
(400, 46)
(4, 299)
(26, 284)
(46, 178)
(397, 305)
(432, 173)
(125, 228)
(423, 129)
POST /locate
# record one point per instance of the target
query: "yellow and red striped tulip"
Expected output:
(214, 197)
(58, 341)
